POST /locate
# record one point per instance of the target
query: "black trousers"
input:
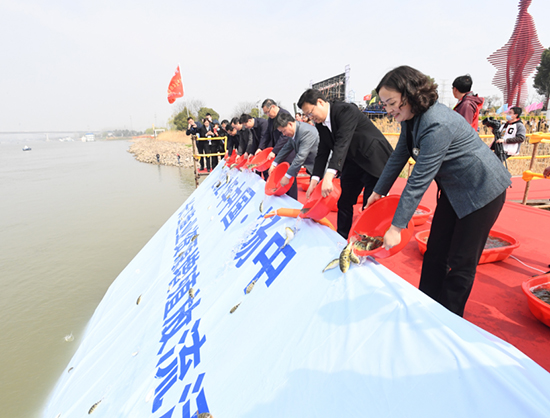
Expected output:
(352, 180)
(203, 148)
(454, 249)
(293, 191)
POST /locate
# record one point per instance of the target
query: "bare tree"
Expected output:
(243, 107)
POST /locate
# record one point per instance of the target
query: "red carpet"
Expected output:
(497, 303)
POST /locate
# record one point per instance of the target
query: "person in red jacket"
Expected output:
(469, 104)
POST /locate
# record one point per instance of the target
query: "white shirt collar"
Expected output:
(327, 120)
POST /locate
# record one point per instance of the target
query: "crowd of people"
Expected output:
(336, 139)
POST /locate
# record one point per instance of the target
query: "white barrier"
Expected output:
(302, 343)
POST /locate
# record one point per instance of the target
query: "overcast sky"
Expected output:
(98, 65)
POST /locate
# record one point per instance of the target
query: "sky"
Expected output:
(103, 65)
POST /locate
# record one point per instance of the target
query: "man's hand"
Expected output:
(546, 172)
(270, 170)
(257, 151)
(327, 187)
(271, 156)
(284, 181)
(312, 185)
(372, 198)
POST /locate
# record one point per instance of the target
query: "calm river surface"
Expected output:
(72, 216)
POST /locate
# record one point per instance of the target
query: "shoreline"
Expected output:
(145, 150)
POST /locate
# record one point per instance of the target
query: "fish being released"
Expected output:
(94, 406)
(289, 235)
(353, 257)
(191, 293)
(262, 206)
(194, 237)
(332, 264)
(344, 259)
(218, 184)
(69, 337)
(205, 415)
(227, 178)
(304, 210)
(366, 243)
(251, 286)
(234, 308)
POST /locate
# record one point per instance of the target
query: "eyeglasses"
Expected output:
(268, 110)
(309, 114)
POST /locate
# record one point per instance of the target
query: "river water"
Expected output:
(72, 216)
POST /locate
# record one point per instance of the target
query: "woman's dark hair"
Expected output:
(416, 88)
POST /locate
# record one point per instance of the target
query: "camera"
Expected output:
(492, 123)
(498, 148)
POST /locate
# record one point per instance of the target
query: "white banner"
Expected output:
(166, 341)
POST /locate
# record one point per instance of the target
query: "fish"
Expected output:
(191, 293)
(332, 264)
(234, 308)
(262, 206)
(344, 259)
(94, 406)
(194, 237)
(149, 395)
(289, 232)
(304, 210)
(353, 257)
(69, 337)
(218, 184)
(70, 369)
(250, 286)
(205, 415)
(252, 166)
(180, 254)
(138, 301)
(228, 195)
(227, 177)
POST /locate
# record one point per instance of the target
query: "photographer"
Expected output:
(512, 133)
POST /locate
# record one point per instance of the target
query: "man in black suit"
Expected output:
(359, 152)
(258, 127)
(273, 138)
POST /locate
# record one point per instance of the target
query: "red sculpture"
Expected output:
(518, 58)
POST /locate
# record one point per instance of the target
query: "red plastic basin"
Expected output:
(375, 221)
(261, 160)
(241, 161)
(303, 182)
(231, 159)
(273, 184)
(317, 206)
(540, 309)
(489, 255)
(422, 218)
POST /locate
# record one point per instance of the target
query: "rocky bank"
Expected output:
(146, 150)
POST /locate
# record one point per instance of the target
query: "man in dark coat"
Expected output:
(273, 138)
(359, 152)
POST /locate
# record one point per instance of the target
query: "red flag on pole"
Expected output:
(367, 97)
(175, 88)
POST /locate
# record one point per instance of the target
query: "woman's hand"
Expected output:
(392, 237)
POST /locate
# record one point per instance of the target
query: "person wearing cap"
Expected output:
(359, 152)
(304, 140)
